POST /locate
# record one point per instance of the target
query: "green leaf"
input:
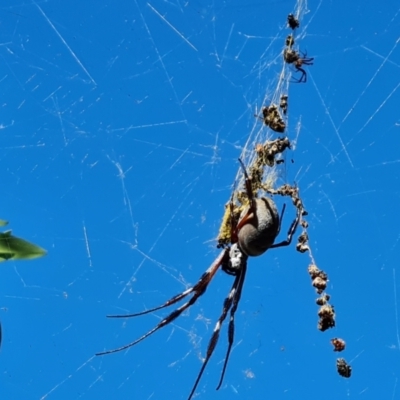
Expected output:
(12, 247)
(3, 223)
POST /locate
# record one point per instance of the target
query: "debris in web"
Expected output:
(266, 156)
(293, 22)
(343, 368)
(323, 299)
(338, 344)
(319, 278)
(273, 119)
(302, 241)
(326, 317)
(289, 41)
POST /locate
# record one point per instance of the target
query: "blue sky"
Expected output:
(121, 127)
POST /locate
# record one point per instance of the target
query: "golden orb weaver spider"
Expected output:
(255, 233)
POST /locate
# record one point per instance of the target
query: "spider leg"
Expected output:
(231, 327)
(199, 288)
(245, 219)
(233, 298)
(303, 77)
(280, 218)
(250, 196)
(169, 302)
(247, 182)
(291, 232)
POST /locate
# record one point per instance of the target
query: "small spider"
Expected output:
(291, 56)
(255, 233)
(273, 119)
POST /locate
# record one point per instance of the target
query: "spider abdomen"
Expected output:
(261, 228)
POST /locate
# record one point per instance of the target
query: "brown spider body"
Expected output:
(260, 228)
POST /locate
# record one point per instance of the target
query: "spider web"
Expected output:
(121, 129)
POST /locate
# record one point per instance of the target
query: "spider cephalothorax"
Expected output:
(253, 232)
(292, 56)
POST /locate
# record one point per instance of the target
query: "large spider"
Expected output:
(255, 233)
(291, 56)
